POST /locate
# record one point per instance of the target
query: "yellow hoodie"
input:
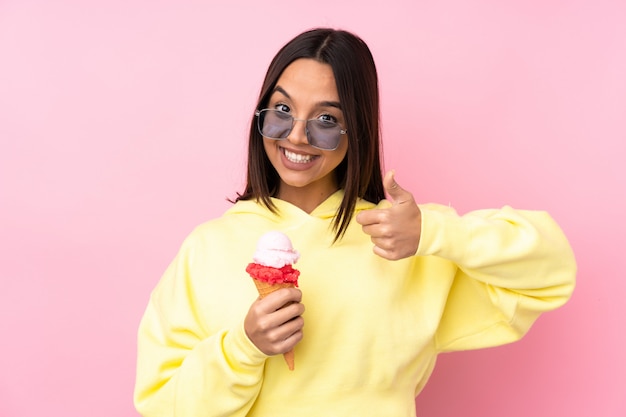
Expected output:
(373, 327)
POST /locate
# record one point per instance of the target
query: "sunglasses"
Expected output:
(277, 125)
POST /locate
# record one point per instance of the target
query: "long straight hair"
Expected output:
(359, 174)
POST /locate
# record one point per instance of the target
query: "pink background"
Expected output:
(123, 124)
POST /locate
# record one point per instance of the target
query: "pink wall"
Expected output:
(122, 126)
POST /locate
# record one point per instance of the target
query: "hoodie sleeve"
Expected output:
(184, 371)
(511, 266)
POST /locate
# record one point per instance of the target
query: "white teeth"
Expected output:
(297, 158)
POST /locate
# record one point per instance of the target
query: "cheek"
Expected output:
(272, 153)
(269, 148)
(341, 152)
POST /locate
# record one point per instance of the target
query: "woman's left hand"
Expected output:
(395, 231)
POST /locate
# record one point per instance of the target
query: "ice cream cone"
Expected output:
(272, 270)
(290, 358)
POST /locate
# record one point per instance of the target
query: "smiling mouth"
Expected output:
(297, 158)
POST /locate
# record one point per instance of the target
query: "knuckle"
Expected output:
(387, 231)
(386, 243)
(393, 254)
(385, 216)
(264, 325)
(272, 336)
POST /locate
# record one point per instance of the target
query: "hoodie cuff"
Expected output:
(238, 348)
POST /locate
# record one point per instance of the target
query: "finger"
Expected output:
(286, 330)
(380, 234)
(288, 341)
(287, 313)
(285, 335)
(373, 216)
(390, 252)
(369, 217)
(398, 194)
(380, 252)
(383, 253)
(276, 300)
(261, 322)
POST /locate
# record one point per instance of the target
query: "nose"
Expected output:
(297, 136)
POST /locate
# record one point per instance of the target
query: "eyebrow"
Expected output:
(325, 103)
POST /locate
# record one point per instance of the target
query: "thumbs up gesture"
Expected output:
(395, 230)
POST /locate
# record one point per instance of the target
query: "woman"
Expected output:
(375, 319)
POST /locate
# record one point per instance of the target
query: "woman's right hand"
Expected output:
(274, 323)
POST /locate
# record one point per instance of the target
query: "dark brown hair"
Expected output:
(359, 174)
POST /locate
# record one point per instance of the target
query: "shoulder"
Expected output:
(238, 224)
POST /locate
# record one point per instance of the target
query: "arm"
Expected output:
(181, 369)
(511, 266)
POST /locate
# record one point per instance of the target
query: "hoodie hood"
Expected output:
(287, 211)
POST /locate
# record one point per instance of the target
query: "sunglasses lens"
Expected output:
(324, 135)
(275, 124)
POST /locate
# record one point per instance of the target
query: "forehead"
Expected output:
(309, 79)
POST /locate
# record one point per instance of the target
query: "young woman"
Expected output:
(375, 318)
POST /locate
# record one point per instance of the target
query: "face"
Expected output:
(307, 90)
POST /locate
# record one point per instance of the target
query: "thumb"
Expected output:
(398, 194)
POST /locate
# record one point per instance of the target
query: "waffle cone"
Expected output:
(264, 289)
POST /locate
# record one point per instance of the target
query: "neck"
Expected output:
(306, 200)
